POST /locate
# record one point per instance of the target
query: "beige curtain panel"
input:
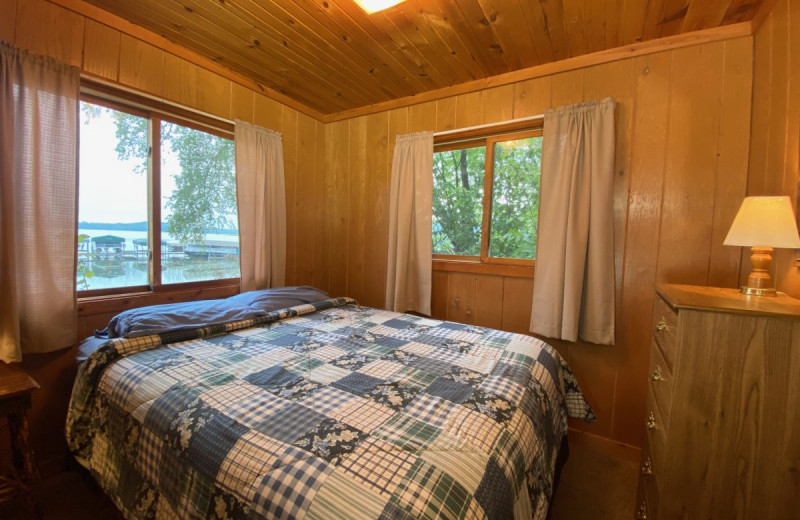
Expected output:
(38, 232)
(408, 273)
(261, 197)
(573, 293)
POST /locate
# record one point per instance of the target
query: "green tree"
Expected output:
(458, 177)
(205, 185)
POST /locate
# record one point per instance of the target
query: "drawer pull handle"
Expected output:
(661, 326)
(647, 468)
(651, 422)
(656, 375)
(641, 514)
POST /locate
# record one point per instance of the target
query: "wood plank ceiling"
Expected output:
(331, 56)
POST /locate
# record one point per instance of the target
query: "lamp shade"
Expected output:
(764, 222)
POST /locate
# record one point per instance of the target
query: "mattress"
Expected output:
(323, 411)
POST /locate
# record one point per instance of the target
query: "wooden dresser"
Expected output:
(723, 404)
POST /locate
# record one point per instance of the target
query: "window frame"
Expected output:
(487, 137)
(155, 112)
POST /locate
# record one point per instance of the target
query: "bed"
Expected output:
(324, 410)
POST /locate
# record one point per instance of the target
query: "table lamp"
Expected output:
(761, 224)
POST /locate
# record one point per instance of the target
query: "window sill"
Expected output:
(476, 267)
(118, 302)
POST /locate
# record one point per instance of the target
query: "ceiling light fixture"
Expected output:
(373, 6)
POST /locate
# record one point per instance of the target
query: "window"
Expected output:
(486, 197)
(157, 201)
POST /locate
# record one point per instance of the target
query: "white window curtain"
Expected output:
(261, 196)
(573, 291)
(408, 273)
(38, 233)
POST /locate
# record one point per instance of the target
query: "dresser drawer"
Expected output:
(648, 475)
(657, 431)
(665, 325)
(660, 380)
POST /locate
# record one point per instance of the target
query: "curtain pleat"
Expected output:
(409, 264)
(261, 199)
(38, 187)
(573, 292)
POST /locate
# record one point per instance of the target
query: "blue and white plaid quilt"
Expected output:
(325, 411)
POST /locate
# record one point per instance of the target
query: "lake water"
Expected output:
(124, 269)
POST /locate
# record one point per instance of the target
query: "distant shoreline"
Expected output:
(142, 226)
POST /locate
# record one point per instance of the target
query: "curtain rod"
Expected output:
(488, 125)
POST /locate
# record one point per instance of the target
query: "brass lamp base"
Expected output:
(759, 283)
(757, 291)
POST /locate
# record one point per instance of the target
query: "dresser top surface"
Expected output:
(728, 300)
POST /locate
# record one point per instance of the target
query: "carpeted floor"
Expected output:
(598, 483)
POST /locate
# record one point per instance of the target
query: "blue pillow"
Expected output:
(155, 319)
(279, 297)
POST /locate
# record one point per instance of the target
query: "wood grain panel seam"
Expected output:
(668, 43)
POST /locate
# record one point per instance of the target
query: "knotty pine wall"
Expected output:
(775, 133)
(104, 52)
(682, 154)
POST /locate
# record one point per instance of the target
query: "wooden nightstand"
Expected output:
(15, 399)
(722, 426)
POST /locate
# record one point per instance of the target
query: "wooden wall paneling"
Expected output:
(469, 109)
(321, 210)
(439, 295)
(141, 66)
(190, 85)
(792, 156)
(290, 151)
(242, 103)
(778, 99)
(446, 114)
(8, 22)
(337, 152)
(498, 104)
(422, 117)
(567, 88)
(306, 189)
(688, 211)
(356, 172)
(489, 301)
(461, 298)
(101, 50)
(377, 209)
(648, 157)
(597, 375)
(759, 134)
(517, 303)
(50, 30)
(732, 156)
(532, 97)
(617, 80)
(268, 113)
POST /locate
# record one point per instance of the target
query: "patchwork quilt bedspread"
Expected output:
(325, 411)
